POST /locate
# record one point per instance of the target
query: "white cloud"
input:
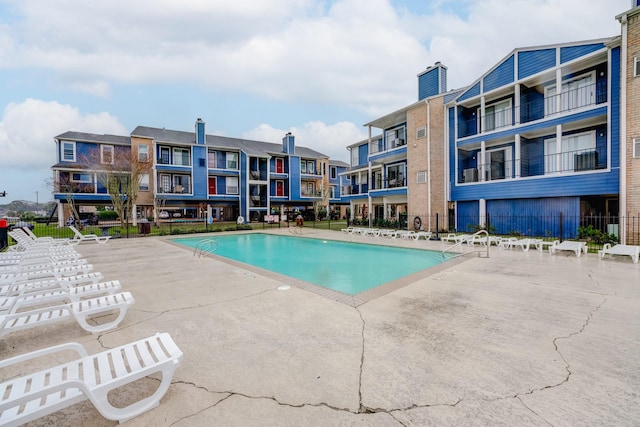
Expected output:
(359, 53)
(331, 140)
(470, 45)
(27, 130)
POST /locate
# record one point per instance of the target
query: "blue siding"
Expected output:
(535, 217)
(200, 175)
(294, 178)
(572, 52)
(582, 184)
(614, 118)
(242, 187)
(467, 215)
(531, 157)
(534, 61)
(428, 83)
(452, 147)
(500, 76)
(363, 154)
(471, 92)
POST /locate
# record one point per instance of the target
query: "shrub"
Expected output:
(593, 235)
(107, 215)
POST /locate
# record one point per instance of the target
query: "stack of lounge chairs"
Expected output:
(45, 281)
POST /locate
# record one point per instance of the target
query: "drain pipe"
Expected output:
(428, 164)
(622, 210)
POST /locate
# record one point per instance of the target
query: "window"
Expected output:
(636, 148)
(143, 185)
(232, 185)
(232, 162)
(69, 151)
(395, 137)
(574, 152)
(499, 163)
(106, 154)
(395, 176)
(143, 153)
(310, 189)
(421, 132)
(577, 92)
(165, 156)
(165, 183)
(636, 67)
(181, 157)
(311, 167)
(421, 177)
(181, 184)
(333, 171)
(211, 159)
(81, 177)
(303, 166)
(333, 191)
(497, 115)
(355, 161)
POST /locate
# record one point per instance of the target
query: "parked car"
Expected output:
(164, 215)
(21, 224)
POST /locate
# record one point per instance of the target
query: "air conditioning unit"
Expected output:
(470, 175)
(585, 161)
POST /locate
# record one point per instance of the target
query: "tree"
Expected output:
(120, 172)
(64, 184)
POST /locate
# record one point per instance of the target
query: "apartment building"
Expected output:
(538, 135)
(630, 122)
(194, 175)
(400, 173)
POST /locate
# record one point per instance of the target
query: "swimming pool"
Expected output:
(346, 267)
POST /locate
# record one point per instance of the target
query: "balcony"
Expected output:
(548, 165)
(540, 108)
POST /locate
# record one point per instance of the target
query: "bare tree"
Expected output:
(120, 172)
(64, 184)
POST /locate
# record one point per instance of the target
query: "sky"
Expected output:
(253, 69)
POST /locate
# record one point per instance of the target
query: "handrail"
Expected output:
(205, 245)
(477, 233)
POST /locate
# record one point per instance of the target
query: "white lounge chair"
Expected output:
(48, 239)
(524, 244)
(422, 234)
(66, 282)
(81, 311)
(88, 237)
(568, 245)
(43, 273)
(30, 297)
(89, 377)
(629, 250)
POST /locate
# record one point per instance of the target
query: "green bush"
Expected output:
(107, 215)
(593, 235)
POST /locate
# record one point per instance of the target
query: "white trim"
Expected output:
(636, 148)
(103, 149)
(73, 149)
(145, 160)
(636, 66)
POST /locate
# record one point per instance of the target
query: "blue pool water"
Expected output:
(345, 267)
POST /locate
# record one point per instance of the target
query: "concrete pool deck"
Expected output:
(521, 338)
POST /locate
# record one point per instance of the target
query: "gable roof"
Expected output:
(93, 137)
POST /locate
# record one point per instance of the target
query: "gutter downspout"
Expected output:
(428, 163)
(623, 134)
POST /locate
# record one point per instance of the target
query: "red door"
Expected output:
(212, 185)
(279, 188)
(279, 166)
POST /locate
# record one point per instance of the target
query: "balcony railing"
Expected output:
(551, 164)
(381, 146)
(541, 108)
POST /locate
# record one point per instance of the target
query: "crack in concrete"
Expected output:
(567, 364)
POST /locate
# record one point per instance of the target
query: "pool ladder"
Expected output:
(205, 246)
(479, 252)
